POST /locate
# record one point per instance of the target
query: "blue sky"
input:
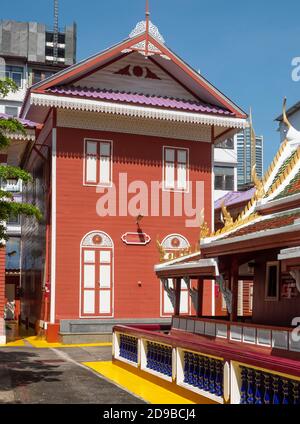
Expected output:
(244, 48)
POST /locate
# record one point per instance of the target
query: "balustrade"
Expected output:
(159, 358)
(203, 373)
(129, 348)
(263, 388)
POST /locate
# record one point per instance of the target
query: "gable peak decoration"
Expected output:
(141, 27)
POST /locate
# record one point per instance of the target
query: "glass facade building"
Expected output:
(244, 153)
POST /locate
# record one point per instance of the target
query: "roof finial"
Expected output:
(147, 29)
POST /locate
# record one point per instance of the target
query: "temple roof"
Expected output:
(275, 200)
(234, 198)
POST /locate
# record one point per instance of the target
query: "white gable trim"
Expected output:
(46, 100)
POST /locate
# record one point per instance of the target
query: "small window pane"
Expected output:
(104, 302)
(219, 182)
(89, 302)
(105, 277)
(229, 182)
(170, 155)
(105, 149)
(91, 148)
(105, 256)
(89, 276)
(182, 156)
(11, 110)
(17, 77)
(89, 256)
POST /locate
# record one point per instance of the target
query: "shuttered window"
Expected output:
(98, 162)
(175, 169)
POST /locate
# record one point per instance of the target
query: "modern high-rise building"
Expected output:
(245, 157)
(31, 52)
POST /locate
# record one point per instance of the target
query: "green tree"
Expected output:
(8, 207)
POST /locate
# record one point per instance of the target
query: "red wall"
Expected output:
(141, 158)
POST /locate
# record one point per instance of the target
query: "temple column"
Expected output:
(234, 287)
(200, 297)
(177, 283)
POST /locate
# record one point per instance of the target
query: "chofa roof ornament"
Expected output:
(292, 135)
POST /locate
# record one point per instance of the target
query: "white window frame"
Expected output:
(97, 183)
(9, 74)
(176, 189)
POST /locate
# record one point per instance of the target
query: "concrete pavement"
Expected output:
(44, 376)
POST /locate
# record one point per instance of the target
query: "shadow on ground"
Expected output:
(22, 368)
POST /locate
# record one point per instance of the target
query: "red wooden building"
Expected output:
(234, 359)
(135, 112)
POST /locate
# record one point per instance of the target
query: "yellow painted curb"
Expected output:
(16, 343)
(42, 344)
(147, 390)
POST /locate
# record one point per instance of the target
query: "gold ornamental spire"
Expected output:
(285, 118)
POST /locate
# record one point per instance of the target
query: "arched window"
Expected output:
(96, 275)
(171, 244)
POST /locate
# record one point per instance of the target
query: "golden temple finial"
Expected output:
(284, 115)
(161, 250)
(260, 191)
(228, 221)
(204, 229)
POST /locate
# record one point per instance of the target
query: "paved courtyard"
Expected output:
(56, 375)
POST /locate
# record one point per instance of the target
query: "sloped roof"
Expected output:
(234, 198)
(25, 122)
(145, 43)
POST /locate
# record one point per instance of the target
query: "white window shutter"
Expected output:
(181, 176)
(104, 170)
(105, 163)
(169, 175)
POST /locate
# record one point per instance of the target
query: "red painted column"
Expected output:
(200, 297)
(177, 296)
(2, 294)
